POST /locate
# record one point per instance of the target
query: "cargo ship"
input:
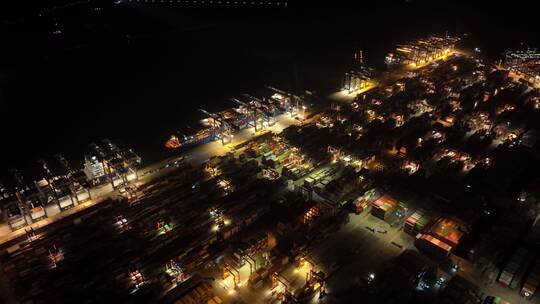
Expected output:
(177, 141)
(234, 119)
(250, 112)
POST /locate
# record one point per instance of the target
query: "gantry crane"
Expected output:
(253, 108)
(126, 159)
(15, 210)
(57, 184)
(77, 181)
(229, 268)
(292, 105)
(225, 129)
(63, 162)
(261, 105)
(104, 161)
(31, 201)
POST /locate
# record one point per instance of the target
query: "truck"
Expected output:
(531, 283)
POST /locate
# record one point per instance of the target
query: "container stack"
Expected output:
(384, 207)
(416, 222)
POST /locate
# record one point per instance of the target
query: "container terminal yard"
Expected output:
(412, 187)
(525, 64)
(421, 52)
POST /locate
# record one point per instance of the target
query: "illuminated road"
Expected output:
(360, 252)
(195, 156)
(517, 78)
(468, 271)
(345, 96)
(388, 78)
(344, 255)
(202, 153)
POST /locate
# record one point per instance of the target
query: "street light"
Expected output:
(304, 112)
(371, 277)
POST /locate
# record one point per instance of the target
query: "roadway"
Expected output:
(346, 96)
(517, 77)
(492, 287)
(354, 251)
(388, 78)
(196, 156)
(346, 256)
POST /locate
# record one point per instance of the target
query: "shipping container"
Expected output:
(384, 207)
(519, 278)
(416, 222)
(514, 265)
(531, 284)
(360, 205)
(432, 245)
(254, 278)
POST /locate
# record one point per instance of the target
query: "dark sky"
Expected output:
(137, 73)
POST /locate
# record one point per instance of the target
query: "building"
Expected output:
(12, 211)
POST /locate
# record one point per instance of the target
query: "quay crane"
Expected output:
(269, 117)
(78, 179)
(291, 101)
(104, 161)
(225, 129)
(57, 185)
(252, 107)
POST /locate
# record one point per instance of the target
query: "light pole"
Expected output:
(297, 106)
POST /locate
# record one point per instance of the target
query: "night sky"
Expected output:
(136, 73)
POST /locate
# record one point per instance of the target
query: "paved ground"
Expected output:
(345, 255)
(494, 288)
(354, 252)
(98, 194)
(517, 77)
(196, 156)
(345, 96)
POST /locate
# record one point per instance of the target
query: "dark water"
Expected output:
(136, 73)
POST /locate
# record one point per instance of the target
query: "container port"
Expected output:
(280, 200)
